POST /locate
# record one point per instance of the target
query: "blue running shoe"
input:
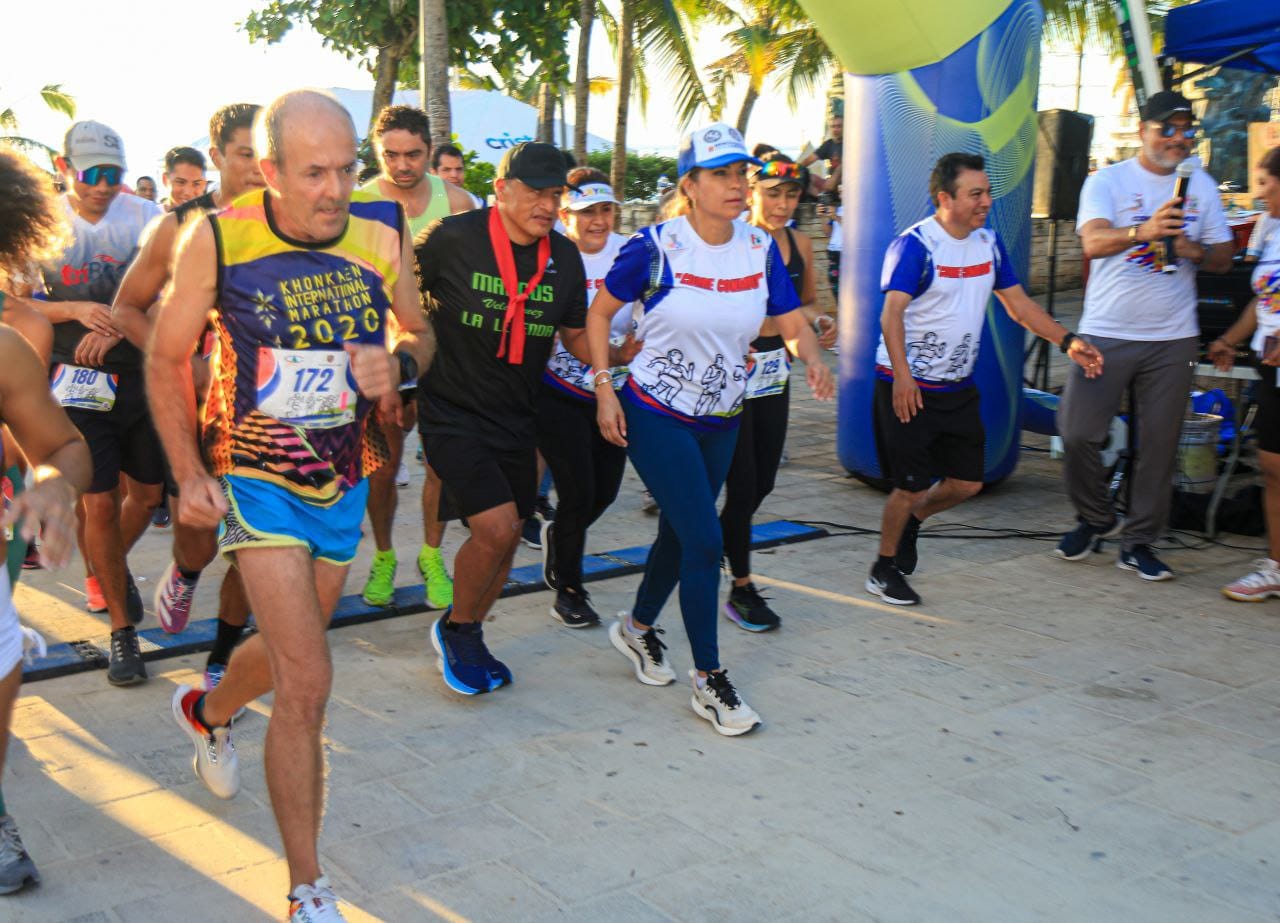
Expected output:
(464, 661)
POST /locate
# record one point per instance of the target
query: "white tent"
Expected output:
(484, 121)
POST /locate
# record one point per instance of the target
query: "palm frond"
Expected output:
(59, 100)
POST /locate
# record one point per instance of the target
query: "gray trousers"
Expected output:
(1160, 372)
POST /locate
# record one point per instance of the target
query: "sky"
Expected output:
(155, 70)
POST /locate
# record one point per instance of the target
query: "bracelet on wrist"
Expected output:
(596, 380)
(1067, 341)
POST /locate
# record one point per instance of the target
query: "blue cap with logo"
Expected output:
(716, 145)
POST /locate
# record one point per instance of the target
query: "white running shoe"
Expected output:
(314, 903)
(1258, 586)
(644, 651)
(402, 475)
(215, 763)
(718, 702)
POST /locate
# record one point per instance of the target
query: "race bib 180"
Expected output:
(86, 389)
(312, 389)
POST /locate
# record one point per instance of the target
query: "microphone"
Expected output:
(1184, 171)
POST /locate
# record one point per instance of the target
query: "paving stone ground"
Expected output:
(1041, 740)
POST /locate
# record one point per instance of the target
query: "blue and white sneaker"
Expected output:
(1140, 558)
(464, 661)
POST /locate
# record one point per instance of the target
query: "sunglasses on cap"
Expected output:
(94, 175)
(1169, 129)
(782, 169)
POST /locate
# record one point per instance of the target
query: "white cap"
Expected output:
(717, 145)
(588, 194)
(92, 144)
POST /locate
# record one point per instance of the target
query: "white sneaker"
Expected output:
(215, 763)
(315, 903)
(1258, 586)
(644, 651)
(718, 702)
(402, 475)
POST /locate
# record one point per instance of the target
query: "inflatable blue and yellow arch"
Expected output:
(931, 76)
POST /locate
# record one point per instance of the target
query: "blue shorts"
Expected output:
(264, 515)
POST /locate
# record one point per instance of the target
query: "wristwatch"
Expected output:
(408, 366)
(1133, 233)
(1066, 341)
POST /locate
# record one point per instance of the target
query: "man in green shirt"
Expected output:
(402, 141)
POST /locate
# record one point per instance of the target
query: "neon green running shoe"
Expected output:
(436, 578)
(380, 588)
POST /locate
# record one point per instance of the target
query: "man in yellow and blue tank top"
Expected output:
(302, 279)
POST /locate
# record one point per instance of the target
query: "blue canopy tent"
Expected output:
(1225, 33)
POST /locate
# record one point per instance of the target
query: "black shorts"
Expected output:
(944, 440)
(122, 438)
(1267, 425)
(476, 476)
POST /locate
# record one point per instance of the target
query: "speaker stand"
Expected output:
(1039, 377)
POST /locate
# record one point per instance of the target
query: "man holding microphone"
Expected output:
(1146, 244)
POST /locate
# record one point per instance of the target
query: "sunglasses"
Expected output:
(781, 169)
(1169, 129)
(95, 175)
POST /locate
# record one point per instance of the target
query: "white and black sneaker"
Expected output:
(716, 700)
(573, 609)
(645, 651)
(548, 539)
(887, 582)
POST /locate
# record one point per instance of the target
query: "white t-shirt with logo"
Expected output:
(836, 242)
(564, 372)
(950, 282)
(703, 305)
(1129, 297)
(1266, 285)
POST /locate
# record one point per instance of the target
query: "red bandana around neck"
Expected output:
(513, 320)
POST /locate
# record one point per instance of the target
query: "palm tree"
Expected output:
(775, 38)
(581, 79)
(433, 77)
(657, 31)
(57, 99)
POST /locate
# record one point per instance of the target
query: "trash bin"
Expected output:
(1197, 469)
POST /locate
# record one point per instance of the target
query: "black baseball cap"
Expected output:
(1164, 104)
(535, 164)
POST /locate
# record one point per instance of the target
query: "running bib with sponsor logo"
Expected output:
(85, 389)
(769, 373)
(306, 387)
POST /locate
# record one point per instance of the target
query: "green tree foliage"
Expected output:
(642, 174)
(53, 96)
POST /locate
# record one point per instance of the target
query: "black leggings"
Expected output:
(587, 470)
(761, 435)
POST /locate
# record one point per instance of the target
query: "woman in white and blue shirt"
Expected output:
(706, 282)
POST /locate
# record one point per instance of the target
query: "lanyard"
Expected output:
(513, 320)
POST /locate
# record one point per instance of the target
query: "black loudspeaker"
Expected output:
(1062, 163)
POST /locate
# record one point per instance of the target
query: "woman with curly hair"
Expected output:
(31, 226)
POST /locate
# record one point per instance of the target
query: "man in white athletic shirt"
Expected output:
(1142, 314)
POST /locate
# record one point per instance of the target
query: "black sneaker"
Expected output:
(160, 517)
(749, 610)
(1078, 543)
(907, 558)
(548, 542)
(573, 609)
(132, 600)
(126, 667)
(1140, 558)
(887, 582)
(543, 508)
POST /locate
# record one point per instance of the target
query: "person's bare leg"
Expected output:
(432, 527)
(894, 518)
(382, 488)
(481, 565)
(943, 495)
(292, 597)
(193, 549)
(233, 602)
(107, 551)
(136, 508)
(8, 695)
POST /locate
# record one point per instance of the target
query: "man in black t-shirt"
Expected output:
(831, 151)
(476, 403)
